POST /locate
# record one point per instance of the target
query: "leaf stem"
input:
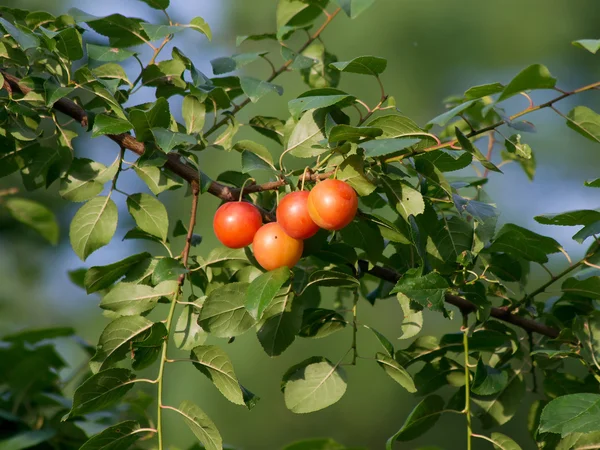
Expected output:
(174, 302)
(465, 330)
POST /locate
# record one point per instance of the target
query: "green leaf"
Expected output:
(428, 290)
(585, 121)
(270, 127)
(69, 43)
(574, 413)
(239, 40)
(383, 147)
(593, 183)
(468, 146)
(314, 102)
(403, 197)
(101, 390)
(27, 439)
(228, 64)
(422, 418)
(117, 437)
(298, 13)
(54, 92)
(143, 121)
(114, 340)
(312, 385)
(223, 254)
(320, 74)
(263, 289)
(523, 243)
(280, 324)
(157, 4)
(591, 45)
(85, 179)
(483, 90)
(108, 54)
(307, 135)
(149, 214)
(396, 372)
(223, 313)
(256, 89)
(120, 30)
(194, 113)
(188, 334)
(315, 444)
(499, 408)
(570, 218)
(105, 124)
(502, 442)
(167, 269)
(443, 119)
(385, 342)
(128, 299)
(213, 362)
(201, 425)
(331, 278)
(413, 319)
(365, 235)
(365, 65)
(353, 8)
(25, 38)
(353, 134)
(587, 231)
(514, 146)
(167, 140)
(156, 32)
(488, 380)
(34, 215)
(101, 277)
(535, 76)
(199, 24)
(254, 156)
(319, 323)
(93, 226)
(588, 287)
(158, 180)
(351, 170)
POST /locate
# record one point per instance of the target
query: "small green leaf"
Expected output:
(69, 43)
(591, 45)
(158, 180)
(585, 121)
(312, 385)
(365, 65)
(331, 278)
(365, 235)
(483, 90)
(143, 121)
(353, 8)
(101, 277)
(120, 30)
(25, 38)
(223, 313)
(385, 342)
(114, 340)
(593, 183)
(588, 287)
(570, 218)
(383, 147)
(428, 290)
(413, 319)
(468, 146)
(319, 323)
(228, 64)
(149, 214)
(213, 362)
(108, 54)
(396, 372)
(199, 24)
(280, 324)
(443, 119)
(535, 76)
(488, 380)
(422, 418)
(403, 197)
(270, 127)
(34, 215)
(353, 134)
(188, 334)
(523, 243)
(573, 413)
(351, 170)
(307, 135)
(128, 299)
(263, 289)
(55, 92)
(93, 226)
(167, 140)
(101, 390)
(201, 425)
(256, 89)
(194, 113)
(309, 102)
(117, 437)
(297, 13)
(105, 124)
(156, 32)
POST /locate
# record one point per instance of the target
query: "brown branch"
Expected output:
(190, 233)
(466, 307)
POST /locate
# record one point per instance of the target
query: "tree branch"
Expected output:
(466, 307)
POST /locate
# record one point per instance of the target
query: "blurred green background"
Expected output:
(435, 48)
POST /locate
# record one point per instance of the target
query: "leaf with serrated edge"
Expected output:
(149, 214)
(93, 226)
(201, 425)
(223, 313)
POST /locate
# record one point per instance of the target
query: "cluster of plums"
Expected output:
(331, 205)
